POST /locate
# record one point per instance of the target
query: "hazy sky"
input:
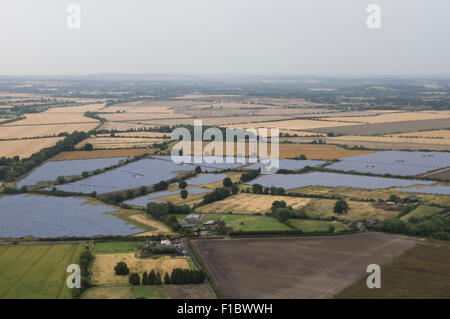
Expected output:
(301, 37)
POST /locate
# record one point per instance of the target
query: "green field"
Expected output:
(117, 246)
(421, 211)
(180, 217)
(36, 270)
(149, 292)
(307, 225)
(247, 222)
(420, 272)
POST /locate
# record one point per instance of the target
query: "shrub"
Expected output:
(121, 269)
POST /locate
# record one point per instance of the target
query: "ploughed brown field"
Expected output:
(296, 267)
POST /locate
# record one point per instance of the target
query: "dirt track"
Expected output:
(296, 267)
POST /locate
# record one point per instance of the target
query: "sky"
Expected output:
(247, 37)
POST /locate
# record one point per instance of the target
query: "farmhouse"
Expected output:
(193, 218)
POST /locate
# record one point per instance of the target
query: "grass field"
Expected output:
(117, 246)
(323, 208)
(244, 203)
(25, 148)
(420, 272)
(307, 225)
(36, 270)
(248, 223)
(421, 211)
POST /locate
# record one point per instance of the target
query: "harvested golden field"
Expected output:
(138, 134)
(76, 109)
(199, 96)
(389, 139)
(27, 131)
(74, 155)
(177, 200)
(122, 126)
(294, 124)
(25, 148)
(144, 115)
(158, 227)
(219, 121)
(289, 150)
(250, 204)
(318, 151)
(118, 142)
(51, 122)
(46, 118)
(374, 194)
(395, 117)
(103, 268)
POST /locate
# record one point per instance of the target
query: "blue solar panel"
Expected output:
(290, 181)
(399, 163)
(46, 216)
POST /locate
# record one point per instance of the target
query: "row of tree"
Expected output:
(178, 277)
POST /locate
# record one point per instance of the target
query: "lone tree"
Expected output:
(234, 189)
(341, 207)
(134, 279)
(182, 184)
(184, 194)
(227, 182)
(121, 269)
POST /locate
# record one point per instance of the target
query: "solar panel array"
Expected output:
(206, 179)
(289, 164)
(46, 216)
(144, 172)
(50, 171)
(211, 163)
(290, 181)
(144, 200)
(438, 190)
(399, 163)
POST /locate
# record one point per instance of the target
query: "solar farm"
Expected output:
(144, 200)
(45, 217)
(291, 181)
(437, 189)
(144, 172)
(396, 163)
(50, 171)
